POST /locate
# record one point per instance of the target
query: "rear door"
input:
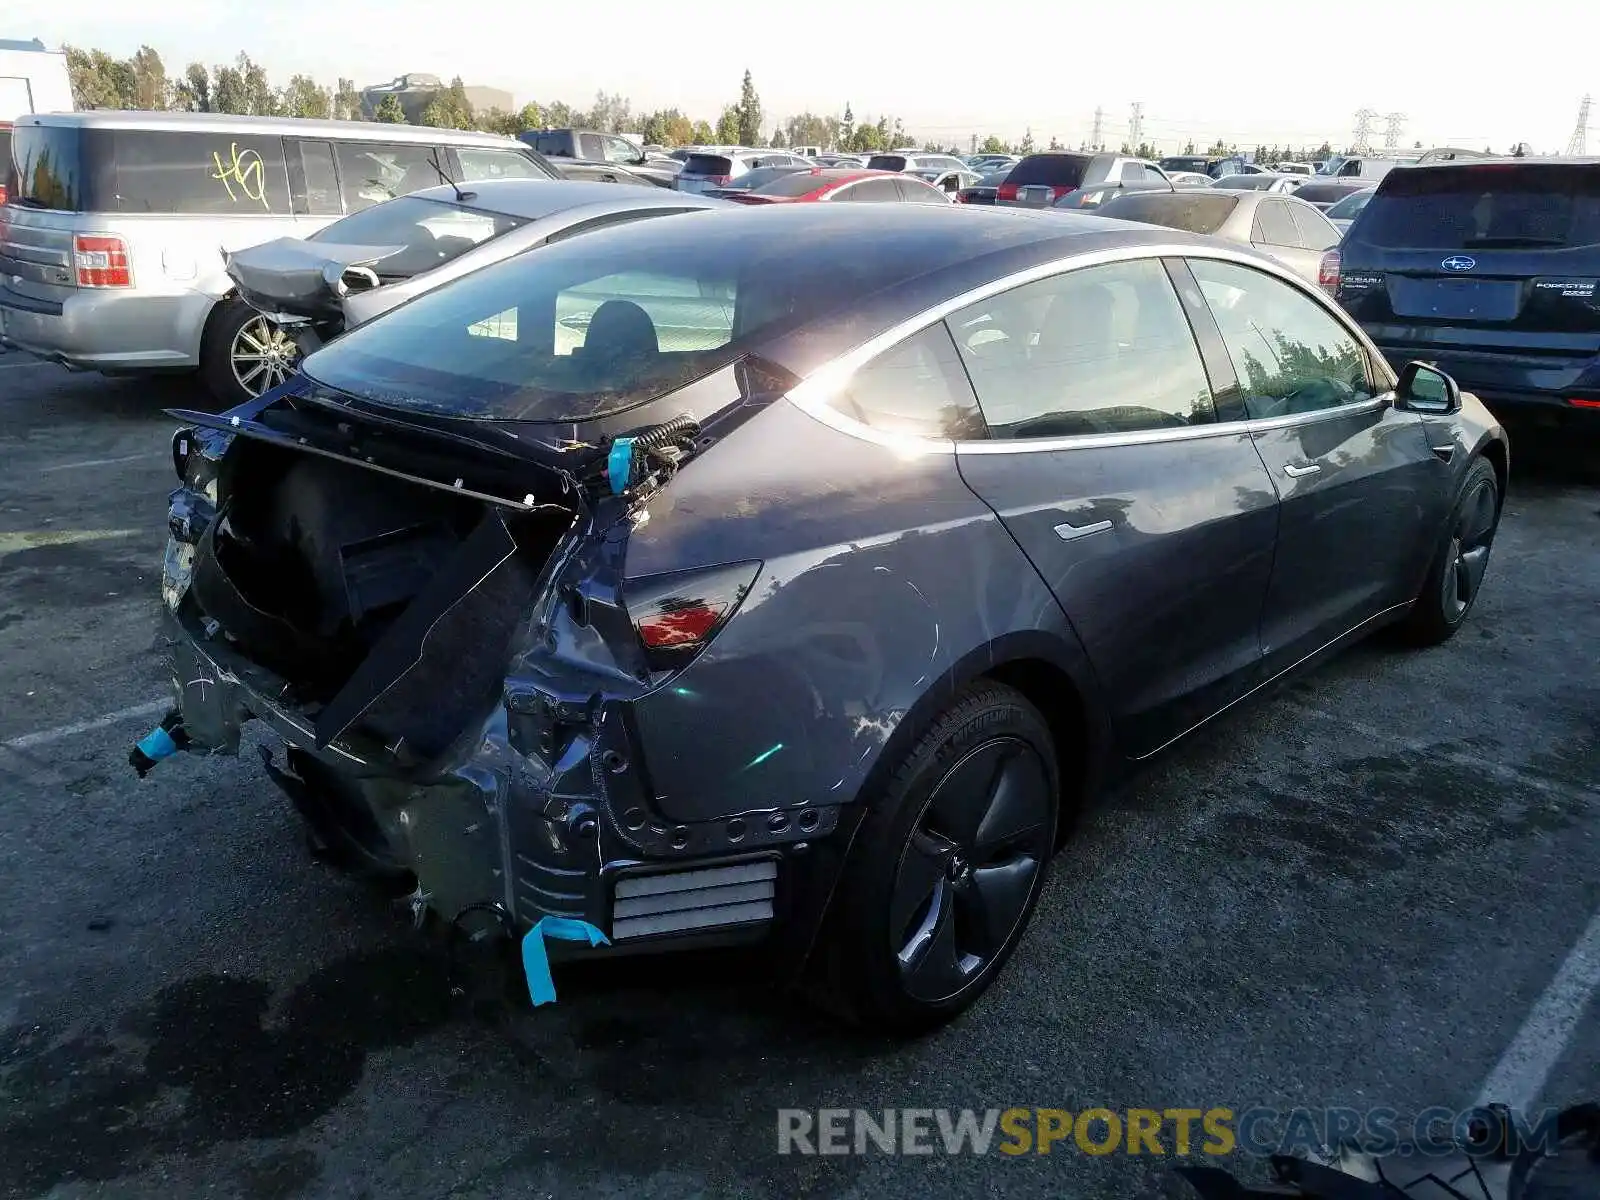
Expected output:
(1145, 508)
(1488, 268)
(1361, 494)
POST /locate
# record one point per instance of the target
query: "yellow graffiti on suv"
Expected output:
(244, 169)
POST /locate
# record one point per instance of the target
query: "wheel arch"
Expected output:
(1052, 672)
(1495, 451)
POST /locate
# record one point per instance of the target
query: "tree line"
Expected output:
(101, 80)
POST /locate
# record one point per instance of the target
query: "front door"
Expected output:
(1151, 521)
(1359, 488)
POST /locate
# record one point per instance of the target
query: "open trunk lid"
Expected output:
(1486, 256)
(304, 279)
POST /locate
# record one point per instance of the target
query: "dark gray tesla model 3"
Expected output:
(794, 574)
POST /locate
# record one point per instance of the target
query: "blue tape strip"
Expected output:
(157, 744)
(536, 962)
(619, 465)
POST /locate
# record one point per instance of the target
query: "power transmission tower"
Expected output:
(1099, 128)
(1579, 145)
(1136, 127)
(1362, 141)
(1394, 127)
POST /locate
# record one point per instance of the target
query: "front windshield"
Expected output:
(428, 233)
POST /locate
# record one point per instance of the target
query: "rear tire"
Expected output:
(1456, 574)
(946, 869)
(244, 354)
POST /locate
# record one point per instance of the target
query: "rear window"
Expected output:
(605, 322)
(1245, 183)
(1324, 193)
(5, 159)
(1193, 212)
(1347, 208)
(428, 233)
(144, 171)
(1485, 207)
(886, 162)
(792, 183)
(762, 176)
(1197, 165)
(1057, 170)
(708, 164)
(558, 144)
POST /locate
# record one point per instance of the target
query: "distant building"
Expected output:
(416, 90)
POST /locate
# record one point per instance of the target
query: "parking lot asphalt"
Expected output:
(1352, 893)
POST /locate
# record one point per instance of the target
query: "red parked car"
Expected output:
(836, 184)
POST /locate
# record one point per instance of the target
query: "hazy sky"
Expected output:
(1464, 73)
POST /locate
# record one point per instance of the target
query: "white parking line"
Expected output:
(45, 736)
(1520, 1075)
(98, 462)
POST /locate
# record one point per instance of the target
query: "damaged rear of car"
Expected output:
(561, 609)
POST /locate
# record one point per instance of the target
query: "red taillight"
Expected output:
(1576, 403)
(719, 180)
(1006, 191)
(2, 193)
(671, 628)
(677, 615)
(102, 262)
(1328, 272)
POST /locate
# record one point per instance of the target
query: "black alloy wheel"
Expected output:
(946, 868)
(1470, 541)
(969, 868)
(1456, 576)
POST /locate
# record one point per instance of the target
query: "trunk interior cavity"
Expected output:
(385, 604)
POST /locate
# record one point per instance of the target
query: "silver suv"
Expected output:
(113, 236)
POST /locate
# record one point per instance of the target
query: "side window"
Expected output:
(495, 164)
(1132, 172)
(872, 190)
(316, 191)
(643, 313)
(914, 191)
(372, 172)
(1151, 175)
(1274, 226)
(1316, 231)
(918, 387)
(620, 150)
(1291, 355)
(215, 174)
(1098, 350)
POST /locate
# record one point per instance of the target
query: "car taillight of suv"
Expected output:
(1328, 273)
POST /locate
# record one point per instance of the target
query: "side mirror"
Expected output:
(1426, 389)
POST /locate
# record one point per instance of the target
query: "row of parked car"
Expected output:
(232, 245)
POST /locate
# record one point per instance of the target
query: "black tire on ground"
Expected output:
(946, 869)
(233, 327)
(1456, 574)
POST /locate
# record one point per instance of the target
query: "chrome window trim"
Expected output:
(813, 393)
